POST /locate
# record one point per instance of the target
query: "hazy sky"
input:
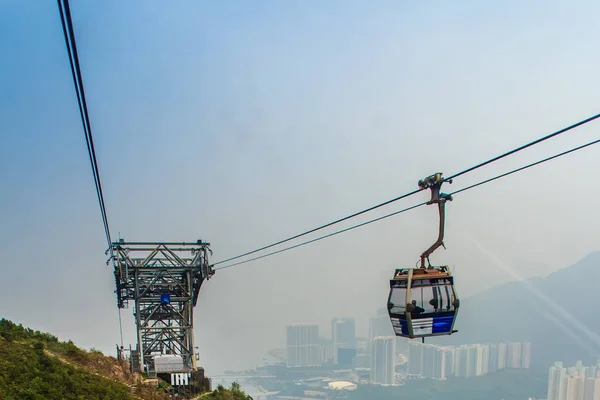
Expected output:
(245, 122)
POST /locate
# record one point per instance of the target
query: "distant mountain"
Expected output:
(559, 314)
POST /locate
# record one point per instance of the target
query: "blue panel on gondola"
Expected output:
(165, 298)
(404, 326)
(442, 324)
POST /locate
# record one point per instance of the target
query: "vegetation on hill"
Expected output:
(234, 393)
(37, 366)
(31, 369)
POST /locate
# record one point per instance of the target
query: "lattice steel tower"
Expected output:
(163, 280)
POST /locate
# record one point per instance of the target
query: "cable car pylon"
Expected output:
(163, 279)
(422, 301)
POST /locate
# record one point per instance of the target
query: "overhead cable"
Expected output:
(526, 166)
(508, 153)
(544, 138)
(411, 207)
(324, 237)
(322, 226)
(69, 35)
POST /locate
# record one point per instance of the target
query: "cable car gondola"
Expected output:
(422, 301)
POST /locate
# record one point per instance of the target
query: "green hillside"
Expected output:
(37, 366)
(220, 393)
(31, 368)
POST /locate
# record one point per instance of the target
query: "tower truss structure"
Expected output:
(163, 280)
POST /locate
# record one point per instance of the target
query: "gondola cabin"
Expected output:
(422, 302)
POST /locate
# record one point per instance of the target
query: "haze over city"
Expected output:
(241, 124)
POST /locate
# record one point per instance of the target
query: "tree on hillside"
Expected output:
(233, 393)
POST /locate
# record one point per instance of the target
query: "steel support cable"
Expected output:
(526, 166)
(508, 153)
(323, 237)
(412, 207)
(82, 106)
(69, 34)
(549, 136)
(321, 227)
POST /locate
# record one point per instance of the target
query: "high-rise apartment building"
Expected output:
(383, 357)
(555, 377)
(581, 369)
(502, 355)
(343, 337)
(596, 394)
(460, 361)
(493, 363)
(302, 348)
(593, 371)
(574, 386)
(514, 355)
(485, 359)
(325, 353)
(574, 383)
(449, 361)
(415, 358)
(434, 361)
(526, 355)
(430, 361)
(474, 360)
(588, 389)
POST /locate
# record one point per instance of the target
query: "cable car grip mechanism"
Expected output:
(434, 183)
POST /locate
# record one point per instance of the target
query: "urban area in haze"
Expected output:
(337, 363)
(287, 199)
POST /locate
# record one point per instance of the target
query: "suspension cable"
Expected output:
(412, 207)
(544, 138)
(323, 237)
(321, 227)
(526, 166)
(69, 35)
(70, 41)
(550, 136)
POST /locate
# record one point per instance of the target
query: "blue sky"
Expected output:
(244, 122)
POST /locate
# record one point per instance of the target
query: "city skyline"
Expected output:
(343, 349)
(578, 382)
(468, 360)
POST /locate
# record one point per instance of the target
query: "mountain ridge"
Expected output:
(593, 256)
(556, 313)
